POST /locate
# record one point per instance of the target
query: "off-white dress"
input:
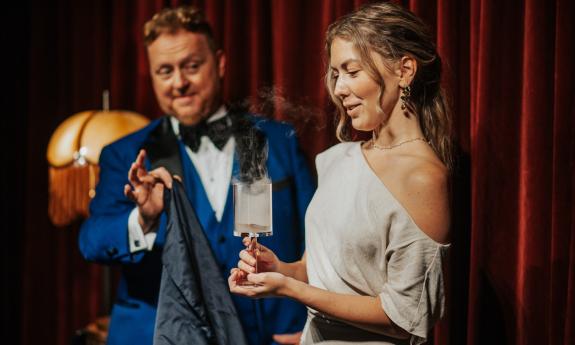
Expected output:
(361, 241)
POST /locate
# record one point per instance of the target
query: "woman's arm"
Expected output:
(361, 310)
(296, 270)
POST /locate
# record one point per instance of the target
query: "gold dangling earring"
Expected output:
(405, 93)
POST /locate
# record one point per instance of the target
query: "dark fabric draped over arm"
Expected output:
(194, 305)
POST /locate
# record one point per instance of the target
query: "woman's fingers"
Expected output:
(237, 274)
(253, 245)
(232, 280)
(245, 267)
(257, 278)
(287, 338)
(247, 257)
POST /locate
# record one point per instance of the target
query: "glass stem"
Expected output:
(255, 251)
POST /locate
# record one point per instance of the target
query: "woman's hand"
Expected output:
(267, 284)
(288, 339)
(267, 261)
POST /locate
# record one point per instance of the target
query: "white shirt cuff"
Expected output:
(136, 237)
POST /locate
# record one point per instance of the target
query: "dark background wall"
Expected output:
(15, 48)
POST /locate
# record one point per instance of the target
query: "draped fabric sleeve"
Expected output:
(413, 295)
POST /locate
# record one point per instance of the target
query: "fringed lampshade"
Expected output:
(73, 153)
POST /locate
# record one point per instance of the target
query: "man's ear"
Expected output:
(408, 69)
(221, 61)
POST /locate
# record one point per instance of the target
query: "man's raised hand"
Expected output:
(146, 189)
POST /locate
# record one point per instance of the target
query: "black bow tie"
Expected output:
(219, 131)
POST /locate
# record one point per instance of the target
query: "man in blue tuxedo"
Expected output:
(196, 141)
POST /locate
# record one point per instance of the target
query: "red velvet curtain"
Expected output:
(522, 153)
(508, 68)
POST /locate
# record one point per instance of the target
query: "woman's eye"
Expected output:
(353, 73)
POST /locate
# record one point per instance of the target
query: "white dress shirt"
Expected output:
(215, 170)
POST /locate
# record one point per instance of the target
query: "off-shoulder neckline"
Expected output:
(369, 169)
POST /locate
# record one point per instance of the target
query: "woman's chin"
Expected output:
(361, 126)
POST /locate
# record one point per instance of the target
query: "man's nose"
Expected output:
(181, 82)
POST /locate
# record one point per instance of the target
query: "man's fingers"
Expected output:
(129, 192)
(158, 194)
(141, 158)
(138, 168)
(163, 175)
(151, 180)
(141, 171)
(133, 175)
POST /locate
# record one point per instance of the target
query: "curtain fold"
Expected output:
(508, 68)
(561, 307)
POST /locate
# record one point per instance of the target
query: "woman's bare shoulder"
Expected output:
(425, 195)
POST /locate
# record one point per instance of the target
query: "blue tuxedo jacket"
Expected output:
(104, 236)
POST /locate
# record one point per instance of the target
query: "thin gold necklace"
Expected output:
(375, 146)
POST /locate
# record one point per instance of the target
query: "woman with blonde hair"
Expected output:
(377, 228)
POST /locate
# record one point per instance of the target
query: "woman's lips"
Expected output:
(352, 110)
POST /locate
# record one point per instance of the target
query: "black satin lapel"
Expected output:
(163, 149)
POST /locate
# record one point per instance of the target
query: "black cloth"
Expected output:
(162, 148)
(219, 131)
(194, 305)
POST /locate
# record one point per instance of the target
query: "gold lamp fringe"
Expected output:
(73, 153)
(71, 189)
